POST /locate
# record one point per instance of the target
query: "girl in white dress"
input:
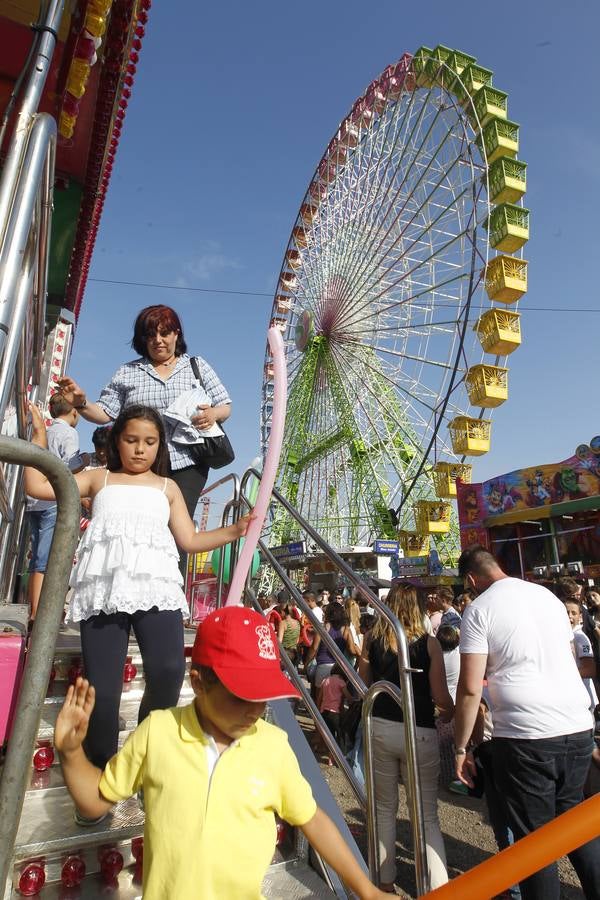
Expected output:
(127, 575)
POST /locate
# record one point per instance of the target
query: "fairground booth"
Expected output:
(540, 522)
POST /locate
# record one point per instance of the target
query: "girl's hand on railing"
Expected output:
(241, 526)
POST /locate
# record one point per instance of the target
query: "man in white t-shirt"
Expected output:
(518, 635)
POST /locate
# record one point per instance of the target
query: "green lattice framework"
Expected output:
(302, 449)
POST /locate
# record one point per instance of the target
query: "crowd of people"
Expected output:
(506, 670)
(491, 690)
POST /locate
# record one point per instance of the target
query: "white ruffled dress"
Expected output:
(127, 559)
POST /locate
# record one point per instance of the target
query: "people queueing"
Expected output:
(449, 614)
(334, 690)
(517, 634)
(336, 624)
(127, 574)
(354, 648)
(433, 609)
(584, 653)
(448, 638)
(288, 631)
(63, 442)
(379, 661)
(208, 773)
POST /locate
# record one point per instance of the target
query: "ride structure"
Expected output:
(396, 300)
(66, 77)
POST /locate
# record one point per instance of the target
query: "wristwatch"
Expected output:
(460, 751)
(82, 405)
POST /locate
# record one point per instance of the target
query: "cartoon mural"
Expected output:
(531, 488)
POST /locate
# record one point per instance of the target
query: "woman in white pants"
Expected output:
(379, 661)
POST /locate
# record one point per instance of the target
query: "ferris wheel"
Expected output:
(408, 237)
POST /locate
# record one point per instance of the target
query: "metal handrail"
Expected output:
(13, 164)
(380, 687)
(15, 772)
(231, 476)
(312, 707)
(405, 670)
(37, 178)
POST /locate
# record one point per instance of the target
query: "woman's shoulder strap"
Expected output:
(195, 368)
(105, 479)
(164, 489)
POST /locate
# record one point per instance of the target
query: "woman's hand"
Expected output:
(466, 768)
(71, 391)
(73, 719)
(205, 418)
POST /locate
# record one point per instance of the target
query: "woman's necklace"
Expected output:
(170, 362)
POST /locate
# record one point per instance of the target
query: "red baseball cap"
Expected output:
(240, 646)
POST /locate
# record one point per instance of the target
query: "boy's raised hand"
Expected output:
(37, 418)
(72, 721)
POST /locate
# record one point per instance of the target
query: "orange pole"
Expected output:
(532, 853)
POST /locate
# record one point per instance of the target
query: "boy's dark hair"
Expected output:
(59, 406)
(448, 637)
(100, 437)
(572, 599)
(152, 319)
(445, 592)
(476, 560)
(207, 675)
(160, 466)
(567, 589)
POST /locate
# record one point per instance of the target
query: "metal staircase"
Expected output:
(53, 853)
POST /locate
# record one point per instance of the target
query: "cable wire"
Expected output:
(199, 290)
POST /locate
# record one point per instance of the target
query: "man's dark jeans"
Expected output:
(541, 779)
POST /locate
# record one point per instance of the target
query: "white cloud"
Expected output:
(209, 261)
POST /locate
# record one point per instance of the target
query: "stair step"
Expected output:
(295, 881)
(47, 826)
(93, 887)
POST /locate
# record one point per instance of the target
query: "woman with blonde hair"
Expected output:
(356, 639)
(379, 661)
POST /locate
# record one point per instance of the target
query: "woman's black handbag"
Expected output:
(213, 452)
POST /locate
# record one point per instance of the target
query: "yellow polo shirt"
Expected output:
(207, 838)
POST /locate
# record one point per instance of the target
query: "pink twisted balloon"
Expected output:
(269, 471)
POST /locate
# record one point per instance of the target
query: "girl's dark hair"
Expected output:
(335, 615)
(160, 466)
(149, 321)
(337, 670)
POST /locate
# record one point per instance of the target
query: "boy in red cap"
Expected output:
(214, 774)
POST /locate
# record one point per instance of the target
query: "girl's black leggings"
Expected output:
(104, 642)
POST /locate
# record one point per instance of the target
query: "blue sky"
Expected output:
(232, 108)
